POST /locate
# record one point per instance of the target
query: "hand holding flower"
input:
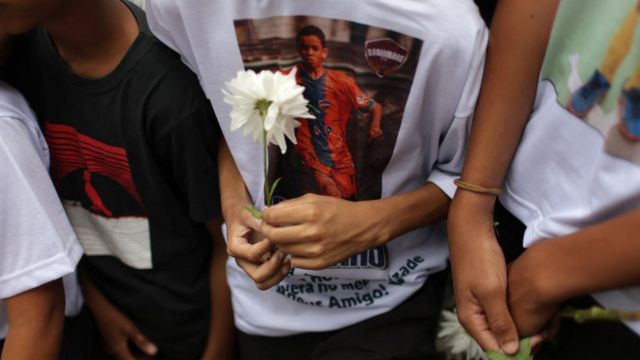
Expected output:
(265, 105)
(252, 251)
(319, 231)
(244, 243)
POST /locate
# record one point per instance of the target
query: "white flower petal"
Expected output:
(272, 116)
(289, 130)
(290, 95)
(280, 141)
(292, 74)
(454, 339)
(286, 105)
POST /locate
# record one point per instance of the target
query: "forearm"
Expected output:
(92, 296)
(233, 192)
(519, 35)
(601, 257)
(220, 342)
(399, 214)
(517, 42)
(36, 321)
(119, 333)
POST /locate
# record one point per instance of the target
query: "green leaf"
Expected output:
(254, 211)
(272, 191)
(523, 354)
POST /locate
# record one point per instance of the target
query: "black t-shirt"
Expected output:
(133, 157)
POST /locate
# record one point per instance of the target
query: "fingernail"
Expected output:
(511, 347)
(152, 349)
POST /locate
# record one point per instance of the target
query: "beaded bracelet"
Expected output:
(476, 188)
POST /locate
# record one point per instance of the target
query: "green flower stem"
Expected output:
(254, 211)
(265, 163)
(598, 313)
(263, 108)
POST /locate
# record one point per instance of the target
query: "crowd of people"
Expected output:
(498, 151)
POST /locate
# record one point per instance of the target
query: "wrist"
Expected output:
(476, 188)
(478, 202)
(467, 206)
(375, 214)
(231, 206)
(564, 279)
(544, 280)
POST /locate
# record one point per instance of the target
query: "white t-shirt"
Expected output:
(574, 171)
(37, 244)
(420, 60)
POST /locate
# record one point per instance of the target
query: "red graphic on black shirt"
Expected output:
(71, 151)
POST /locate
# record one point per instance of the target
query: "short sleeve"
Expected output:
(164, 20)
(37, 243)
(453, 146)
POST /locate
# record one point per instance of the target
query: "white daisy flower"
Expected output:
(454, 339)
(266, 106)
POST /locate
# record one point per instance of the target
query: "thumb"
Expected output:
(502, 325)
(142, 342)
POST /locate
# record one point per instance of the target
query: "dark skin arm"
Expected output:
(598, 258)
(36, 320)
(517, 43)
(323, 230)
(220, 343)
(117, 330)
(244, 243)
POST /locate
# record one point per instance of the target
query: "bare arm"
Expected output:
(36, 320)
(518, 39)
(598, 258)
(116, 328)
(220, 343)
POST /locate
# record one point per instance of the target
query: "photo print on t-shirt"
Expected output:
(598, 77)
(357, 80)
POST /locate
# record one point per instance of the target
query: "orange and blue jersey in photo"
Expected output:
(322, 142)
